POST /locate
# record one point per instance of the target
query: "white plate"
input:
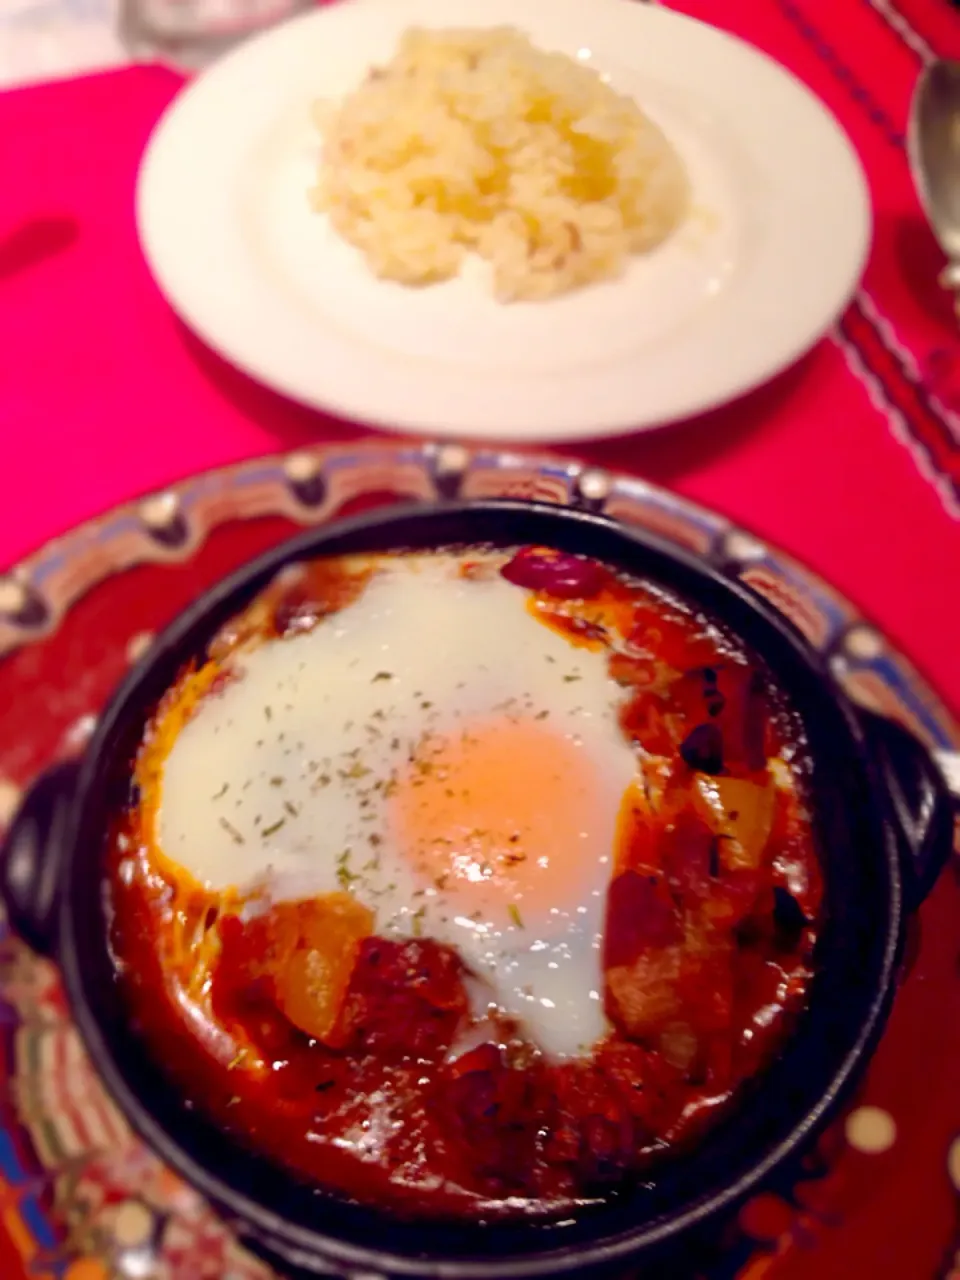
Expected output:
(771, 252)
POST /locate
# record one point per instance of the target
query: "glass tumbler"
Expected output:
(191, 33)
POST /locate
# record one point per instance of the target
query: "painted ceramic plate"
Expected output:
(81, 1198)
(770, 252)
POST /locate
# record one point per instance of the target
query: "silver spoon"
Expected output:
(933, 147)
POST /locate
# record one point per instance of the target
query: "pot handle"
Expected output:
(31, 857)
(922, 803)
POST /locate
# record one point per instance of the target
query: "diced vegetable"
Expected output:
(689, 856)
(563, 576)
(644, 996)
(679, 1044)
(640, 915)
(638, 835)
(740, 813)
(317, 942)
(405, 998)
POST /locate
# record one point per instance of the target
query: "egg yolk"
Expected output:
(502, 819)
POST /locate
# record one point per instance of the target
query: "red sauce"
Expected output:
(711, 921)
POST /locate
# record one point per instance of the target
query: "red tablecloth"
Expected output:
(851, 460)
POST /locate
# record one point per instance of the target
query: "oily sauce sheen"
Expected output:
(359, 1061)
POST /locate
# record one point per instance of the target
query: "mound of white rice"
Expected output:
(477, 140)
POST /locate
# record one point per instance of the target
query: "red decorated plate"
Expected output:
(81, 1198)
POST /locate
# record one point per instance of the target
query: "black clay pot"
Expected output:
(885, 825)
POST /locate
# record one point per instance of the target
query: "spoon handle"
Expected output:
(949, 278)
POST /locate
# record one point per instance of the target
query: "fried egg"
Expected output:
(442, 755)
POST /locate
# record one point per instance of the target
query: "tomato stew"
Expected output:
(372, 1084)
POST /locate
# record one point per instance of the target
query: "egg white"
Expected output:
(277, 783)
